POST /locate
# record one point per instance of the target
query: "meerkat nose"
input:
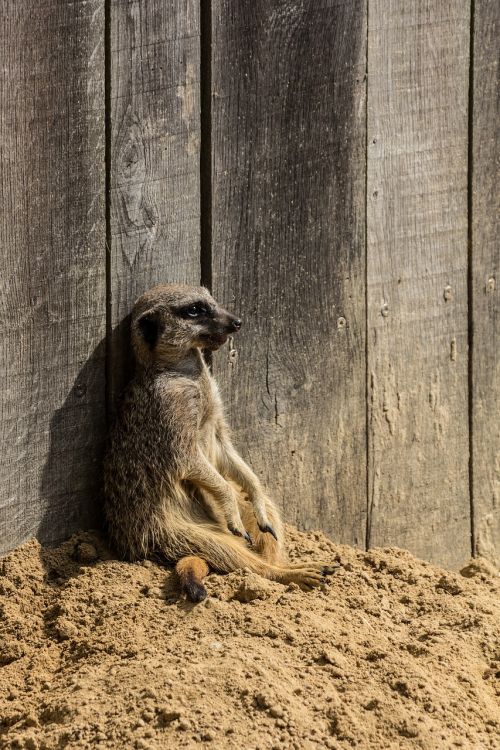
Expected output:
(236, 324)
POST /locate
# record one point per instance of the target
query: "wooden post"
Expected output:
(357, 238)
(288, 249)
(52, 267)
(485, 282)
(418, 66)
(153, 234)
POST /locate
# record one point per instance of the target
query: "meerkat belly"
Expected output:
(209, 443)
(211, 411)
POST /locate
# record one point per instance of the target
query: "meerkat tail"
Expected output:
(191, 571)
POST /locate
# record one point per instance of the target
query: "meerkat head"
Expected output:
(168, 321)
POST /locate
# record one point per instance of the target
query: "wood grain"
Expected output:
(485, 256)
(52, 267)
(154, 158)
(288, 132)
(418, 65)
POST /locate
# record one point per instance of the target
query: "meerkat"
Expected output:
(174, 484)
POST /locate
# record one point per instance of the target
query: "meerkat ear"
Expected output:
(150, 327)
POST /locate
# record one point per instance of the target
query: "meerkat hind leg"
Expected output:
(225, 554)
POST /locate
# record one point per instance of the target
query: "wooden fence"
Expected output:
(328, 168)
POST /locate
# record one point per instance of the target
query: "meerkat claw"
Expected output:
(327, 570)
(269, 530)
(245, 535)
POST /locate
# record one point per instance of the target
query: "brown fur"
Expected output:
(174, 483)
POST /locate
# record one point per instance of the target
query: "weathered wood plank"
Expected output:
(485, 282)
(288, 132)
(52, 266)
(155, 136)
(418, 58)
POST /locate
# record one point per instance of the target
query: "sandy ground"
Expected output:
(390, 653)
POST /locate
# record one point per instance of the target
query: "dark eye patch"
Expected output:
(149, 326)
(195, 310)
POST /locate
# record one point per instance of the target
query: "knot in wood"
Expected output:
(448, 293)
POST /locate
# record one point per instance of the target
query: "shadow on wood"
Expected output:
(71, 492)
(70, 486)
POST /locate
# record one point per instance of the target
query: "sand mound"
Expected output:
(391, 653)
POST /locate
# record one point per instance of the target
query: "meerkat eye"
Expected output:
(195, 310)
